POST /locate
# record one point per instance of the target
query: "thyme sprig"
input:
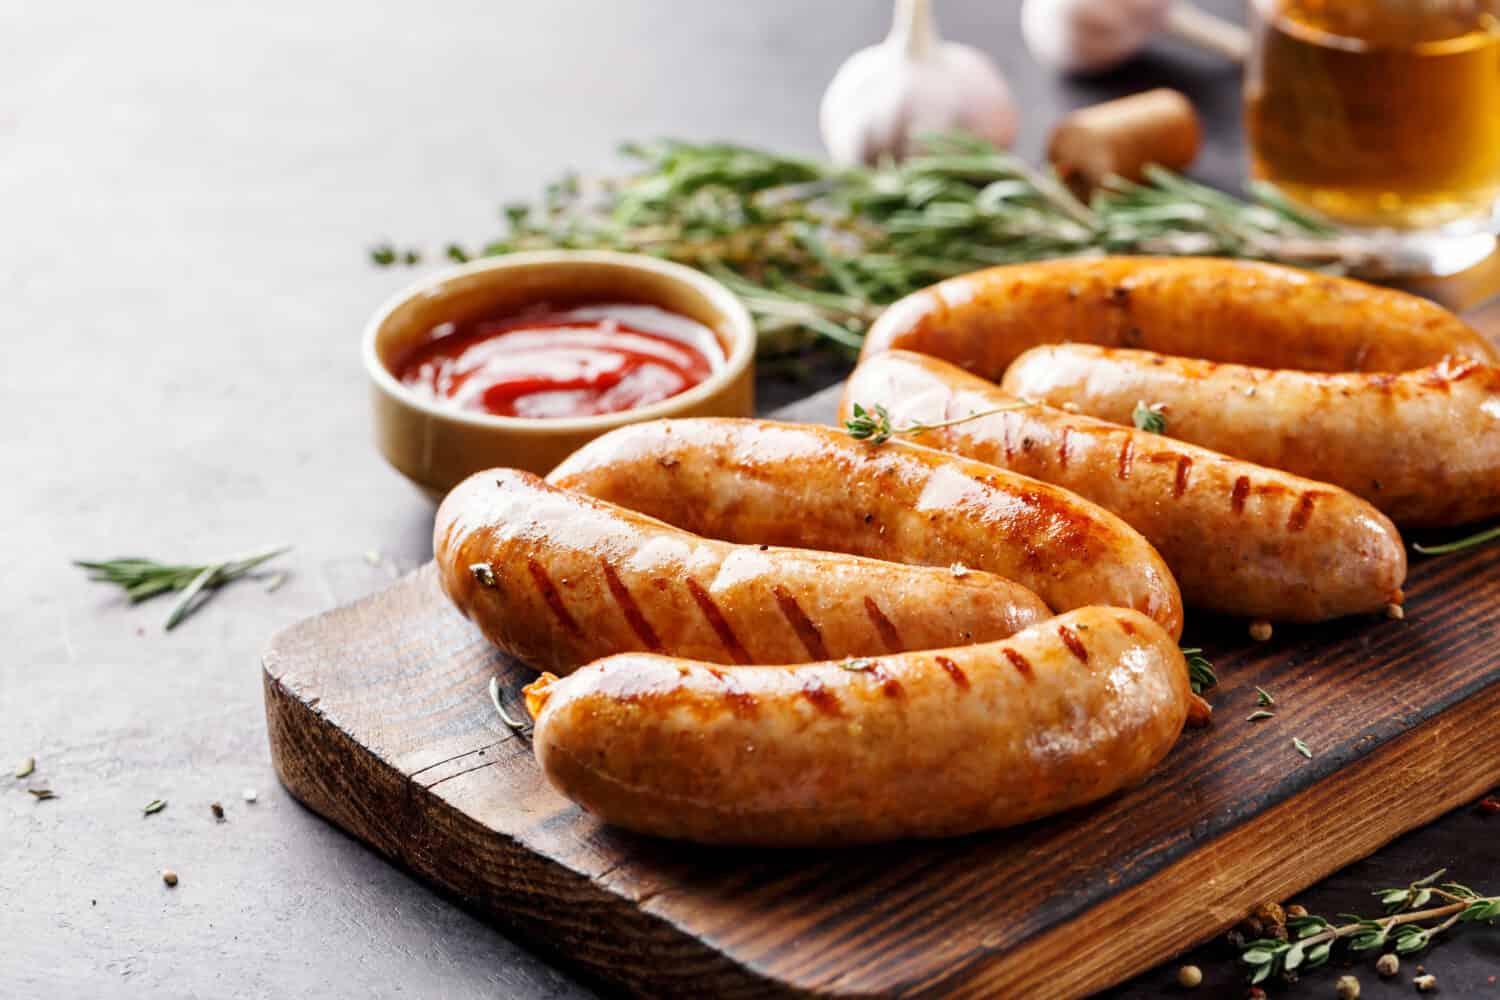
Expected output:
(816, 251)
(1149, 418)
(146, 578)
(874, 424)
(1401, 929)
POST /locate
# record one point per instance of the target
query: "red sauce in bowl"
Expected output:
(577, 361)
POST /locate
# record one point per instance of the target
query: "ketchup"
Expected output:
(574, 362)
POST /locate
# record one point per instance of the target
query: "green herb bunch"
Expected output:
(1409, 925)
(817, 251)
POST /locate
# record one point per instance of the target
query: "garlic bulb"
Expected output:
(886, 96)
(1088, 36)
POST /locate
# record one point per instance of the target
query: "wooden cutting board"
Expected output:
(379, 719)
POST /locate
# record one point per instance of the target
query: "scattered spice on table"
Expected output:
(1302, 747)
(42, 794)
(154, 806)
(250, 795)
(170, 877)
(27, 767)
(217, 810)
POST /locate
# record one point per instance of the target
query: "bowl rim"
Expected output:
(739, 329)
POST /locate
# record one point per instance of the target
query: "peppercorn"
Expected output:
(1347, 988)
(1388, 964)
(1189, 977)
(1260, 630)
(169, 876)
(1296, 910)
(1425, 984)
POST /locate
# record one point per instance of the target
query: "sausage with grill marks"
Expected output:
(1241, 539)
(1223, 310)
(815, 487)
(557, 579)
(923, 744)
(1423, 446)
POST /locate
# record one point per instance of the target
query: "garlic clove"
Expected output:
(887, 95)
(1089, 36)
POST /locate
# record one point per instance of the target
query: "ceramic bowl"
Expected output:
(436, 447)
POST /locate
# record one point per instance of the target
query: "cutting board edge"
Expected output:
(318, 790)
(1039, 962)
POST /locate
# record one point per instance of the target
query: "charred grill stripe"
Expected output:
(822, 699)
(812, 639)
(1075, 646)
(954, 671)
(717, 622)
(1184, 466)
(550, 595)
(888, 633)
(889, 686)
(1241, 491)
(1302, 513)
(1022, 665)
(1127, 456)
(632, 611)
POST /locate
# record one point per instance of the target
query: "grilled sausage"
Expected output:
(925, 744)
(1240, 538)
(556, 580)
(1423, 446)
(817, 488)
(1222, 310)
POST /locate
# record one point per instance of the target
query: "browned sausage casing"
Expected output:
(1223, 310)
(1240, 538)
(1423, 446)
(924, 744)
(557, 579)
(818, 488)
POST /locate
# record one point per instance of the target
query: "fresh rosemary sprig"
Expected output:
(816, 251)
(1313, 937)
(874, 424)
(1200, 672)
(1458, 545)
(146, 578)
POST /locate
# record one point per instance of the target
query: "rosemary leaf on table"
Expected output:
(816, 251)
(143, 578)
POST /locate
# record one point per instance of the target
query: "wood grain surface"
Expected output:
(379, 720)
